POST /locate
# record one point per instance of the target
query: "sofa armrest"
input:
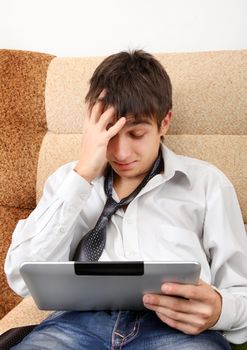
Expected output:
(25, 313)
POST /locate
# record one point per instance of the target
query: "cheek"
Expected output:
(138, 147)
(151, 144)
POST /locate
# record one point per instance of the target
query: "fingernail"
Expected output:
(165, 288)
(147, 299)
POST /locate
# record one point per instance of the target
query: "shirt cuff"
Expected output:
(74, 189)
(228, 312)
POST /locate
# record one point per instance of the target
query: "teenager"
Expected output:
(178, 208)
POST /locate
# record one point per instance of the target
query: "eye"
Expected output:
(136, 135)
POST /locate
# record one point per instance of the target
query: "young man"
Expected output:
(183, 209)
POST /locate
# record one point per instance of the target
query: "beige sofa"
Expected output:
(41, 116)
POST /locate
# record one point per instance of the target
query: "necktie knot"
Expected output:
(110, 207)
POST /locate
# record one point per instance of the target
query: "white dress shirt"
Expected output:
(190, 212)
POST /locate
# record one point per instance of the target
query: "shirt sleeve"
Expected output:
(225, 243)
(47, 233)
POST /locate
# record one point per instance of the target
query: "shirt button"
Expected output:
(61, 230)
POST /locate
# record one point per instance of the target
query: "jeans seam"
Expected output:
(135, 329)
(113, 331)
(134, 332)
(129, 337)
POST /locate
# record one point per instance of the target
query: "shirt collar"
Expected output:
(173, 164)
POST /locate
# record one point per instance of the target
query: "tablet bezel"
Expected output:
(56, 285)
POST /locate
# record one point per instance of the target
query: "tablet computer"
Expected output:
(102, 285)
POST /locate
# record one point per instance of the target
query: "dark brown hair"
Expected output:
(135, 83)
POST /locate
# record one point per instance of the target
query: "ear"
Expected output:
(165, 123)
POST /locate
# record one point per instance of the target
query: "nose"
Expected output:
(120, 148)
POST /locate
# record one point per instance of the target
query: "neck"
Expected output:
(125, 186)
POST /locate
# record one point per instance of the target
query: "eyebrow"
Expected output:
(134, 122)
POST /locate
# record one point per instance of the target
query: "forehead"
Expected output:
(132, 121)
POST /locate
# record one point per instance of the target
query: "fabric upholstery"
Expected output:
(24, 314)
(22, 125)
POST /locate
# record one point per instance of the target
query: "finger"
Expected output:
(186, 328)
(194, 317)
(201, 311)
(191, 319)
(114, 130)
(173, 303)
(98, 107)
(108, 117)
(102, 94)
(188, 291)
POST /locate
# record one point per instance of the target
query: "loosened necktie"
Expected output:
(92, 244)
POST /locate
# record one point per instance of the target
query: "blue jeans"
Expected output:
(128, 330)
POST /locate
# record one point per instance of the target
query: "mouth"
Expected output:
(124, 166)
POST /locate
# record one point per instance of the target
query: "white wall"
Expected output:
(97, 27)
